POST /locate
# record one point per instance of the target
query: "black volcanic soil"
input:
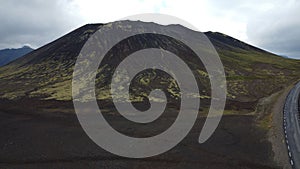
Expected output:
(47, 135)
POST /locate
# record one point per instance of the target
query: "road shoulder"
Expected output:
(276, 136)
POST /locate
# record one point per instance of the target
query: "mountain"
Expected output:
(36, 105)
(8, 55)
(46, 73)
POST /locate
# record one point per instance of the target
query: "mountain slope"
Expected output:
(252, 72)
(47, 72)
(8, 55)
(49, 65)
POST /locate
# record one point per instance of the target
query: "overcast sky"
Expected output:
(273, 25)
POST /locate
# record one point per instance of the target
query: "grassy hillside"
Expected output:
(253, 73)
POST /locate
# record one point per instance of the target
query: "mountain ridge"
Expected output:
(243, 45)
(10, 54)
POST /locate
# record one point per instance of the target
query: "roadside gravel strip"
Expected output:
(291, 126)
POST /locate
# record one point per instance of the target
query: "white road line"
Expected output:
(291, 121)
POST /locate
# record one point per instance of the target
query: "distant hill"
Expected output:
(8, 55)
(46, 73)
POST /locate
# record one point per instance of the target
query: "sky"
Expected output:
(273, 25)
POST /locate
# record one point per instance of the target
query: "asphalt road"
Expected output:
(291, 127)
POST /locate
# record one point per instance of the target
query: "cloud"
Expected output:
(271, 24)
(110, 10)
(35, 22)
(277, 29)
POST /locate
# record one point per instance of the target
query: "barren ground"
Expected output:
(47, 135)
